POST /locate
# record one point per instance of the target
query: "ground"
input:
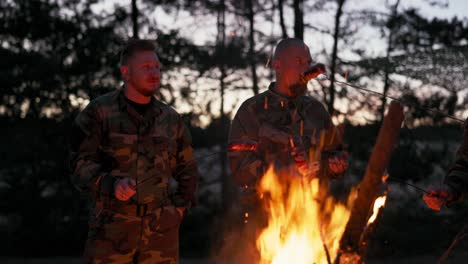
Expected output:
(457, 258)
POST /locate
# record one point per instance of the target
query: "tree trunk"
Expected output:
(298, 19)
(135, 19)
(281, 17)
(225, 180)
(250, 17)
(336, 37)
(387, 61)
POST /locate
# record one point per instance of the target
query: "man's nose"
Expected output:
(155, 71)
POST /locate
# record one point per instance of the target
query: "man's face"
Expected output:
(143, 72)
(291, 65)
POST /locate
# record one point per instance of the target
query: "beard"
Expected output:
(147, 91)
(298, 89)
(144, 88)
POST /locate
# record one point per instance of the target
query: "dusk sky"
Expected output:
(202, 30)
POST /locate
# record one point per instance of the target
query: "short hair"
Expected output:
(133, 46)
(285, 44)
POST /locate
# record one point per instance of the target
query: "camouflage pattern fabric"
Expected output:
(110, 140)
(270, 122)
(457, 177)
(115, 238)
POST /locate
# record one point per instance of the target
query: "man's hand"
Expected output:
(181, 211)
(124, 189)
(339, 163)
(304, 168)
(435, 198)
(310, 170)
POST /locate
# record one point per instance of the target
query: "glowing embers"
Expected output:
(305, 224)
(242, 147)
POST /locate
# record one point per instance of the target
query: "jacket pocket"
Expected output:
(164, 152)
(165, 219)
(122, 147)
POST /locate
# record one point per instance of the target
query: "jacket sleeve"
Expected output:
(88, 171)
(186, 171)
(457, 177)
(246, 165)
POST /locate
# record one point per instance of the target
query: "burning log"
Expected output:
(370, 185)
(379, 204)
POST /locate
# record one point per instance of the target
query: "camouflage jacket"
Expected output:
(263, 128)
(457, 177)
(110, 140)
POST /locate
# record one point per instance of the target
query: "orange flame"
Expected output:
(305, 225)
(378, 204)
(385, 177)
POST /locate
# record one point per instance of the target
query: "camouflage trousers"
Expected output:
(119, 238)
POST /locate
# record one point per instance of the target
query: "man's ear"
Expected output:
(124, 70)
(276, 65)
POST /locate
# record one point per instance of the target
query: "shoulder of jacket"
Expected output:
(252, 103)
(167, 110)
(310, 101)
(105, 99)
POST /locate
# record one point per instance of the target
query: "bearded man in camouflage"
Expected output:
(283, 128)
(126, 146)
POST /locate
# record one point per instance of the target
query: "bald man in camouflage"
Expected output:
(281, 127)
(126, 145)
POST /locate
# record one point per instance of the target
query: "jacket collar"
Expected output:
(153, 111)
(284, 101)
